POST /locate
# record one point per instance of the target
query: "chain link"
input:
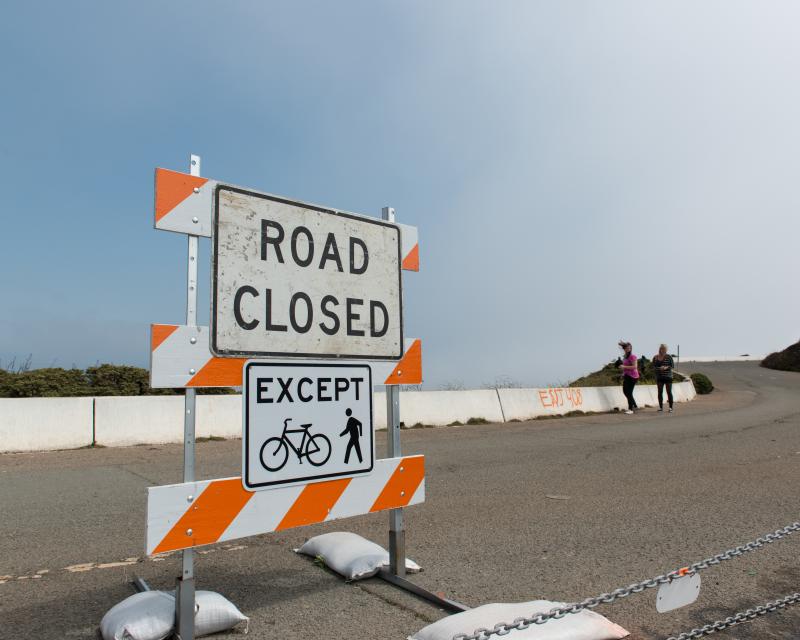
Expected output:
(503, 628)
(744, 616)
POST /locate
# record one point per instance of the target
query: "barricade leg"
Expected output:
(184, 604)
(397, 534)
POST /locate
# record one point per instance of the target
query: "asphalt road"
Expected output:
(644, 494)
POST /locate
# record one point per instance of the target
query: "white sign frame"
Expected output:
(365, 465)
(218, 350)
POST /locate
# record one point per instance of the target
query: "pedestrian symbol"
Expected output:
(354, 431)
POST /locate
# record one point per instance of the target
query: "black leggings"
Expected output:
(628, 384)
(661, 384)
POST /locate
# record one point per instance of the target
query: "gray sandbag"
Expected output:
(350, 555)
(151, 616)
(586, 625)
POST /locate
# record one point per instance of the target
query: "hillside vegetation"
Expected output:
(611, 376)
(786, 360)
(102, 380)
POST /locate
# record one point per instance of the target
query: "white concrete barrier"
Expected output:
(122, 421)
(218, 416)
(40, 424)
(444, 407)
(525, 404)
(437, 408)
(684, 391)
(379, 410)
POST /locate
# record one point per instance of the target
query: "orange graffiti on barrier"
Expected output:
(554, 398)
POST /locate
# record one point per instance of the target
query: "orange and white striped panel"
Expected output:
(183, 204)
(180, 357)
(192, 514)
(409, 240)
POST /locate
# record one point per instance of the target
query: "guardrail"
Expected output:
(43, 424)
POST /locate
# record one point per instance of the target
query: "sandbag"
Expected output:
(215, 613)
(586, 625)
(143, 616)
(151, 616)
(350, 555)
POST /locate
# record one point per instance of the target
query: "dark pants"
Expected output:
(661, 384)
(628, 384)
(350, 445)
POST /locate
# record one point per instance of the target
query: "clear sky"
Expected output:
(579, 172)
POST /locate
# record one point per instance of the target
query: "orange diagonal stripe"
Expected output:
(208, 516)
(313, 504)
(172, 188)
(219, 372)
(402, 485)
(411, 261)
(159, 333)
(409, 369)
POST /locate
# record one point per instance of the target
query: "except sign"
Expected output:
(292, 279)
(305, 422)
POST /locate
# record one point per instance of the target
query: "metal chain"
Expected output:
(503, 628)
(745, 616)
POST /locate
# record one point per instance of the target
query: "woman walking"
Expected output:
(630, 375)
(663, 364)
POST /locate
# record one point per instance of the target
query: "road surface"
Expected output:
(640, 495)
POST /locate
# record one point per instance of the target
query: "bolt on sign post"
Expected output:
(315, 294)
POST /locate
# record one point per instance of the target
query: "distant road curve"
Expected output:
(742, 358)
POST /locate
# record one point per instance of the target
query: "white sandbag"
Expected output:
(151, 616)
(215, 613)
(350, 555)
(586, 625)
(143, 616)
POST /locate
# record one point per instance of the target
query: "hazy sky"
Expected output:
(579, 171)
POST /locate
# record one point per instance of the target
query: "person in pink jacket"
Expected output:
(630, 375)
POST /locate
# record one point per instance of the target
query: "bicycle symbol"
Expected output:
(275, 451)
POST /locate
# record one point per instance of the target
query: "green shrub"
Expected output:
(701, 383)
(44, 383)
(101, 380)
(786, 360)
(118, 380)
(477, 421)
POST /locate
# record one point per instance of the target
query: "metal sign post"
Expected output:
(184, 588)
(397, 534)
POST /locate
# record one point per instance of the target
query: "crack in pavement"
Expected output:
(83, 567)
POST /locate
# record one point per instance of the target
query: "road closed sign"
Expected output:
(296, 280)
(305, 422)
